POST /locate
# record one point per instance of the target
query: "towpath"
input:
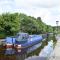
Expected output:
(56, 53)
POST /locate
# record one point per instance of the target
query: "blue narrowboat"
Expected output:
(23, 40)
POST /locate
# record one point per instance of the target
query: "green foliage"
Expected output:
(13, 23)
(10, 23)
(2, 35)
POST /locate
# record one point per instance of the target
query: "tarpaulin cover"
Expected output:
(10, 40)
(32, 41)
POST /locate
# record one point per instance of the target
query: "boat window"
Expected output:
(22, 37)
(19, 38)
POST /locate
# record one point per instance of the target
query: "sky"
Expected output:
(48, 10)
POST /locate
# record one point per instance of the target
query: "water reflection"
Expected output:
(9, 51)
(21, 54)
(44, 54)
(47, 50)
(31, 49)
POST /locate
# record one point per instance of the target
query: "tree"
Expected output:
(10, 23)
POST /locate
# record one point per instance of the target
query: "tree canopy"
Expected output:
(11, 23)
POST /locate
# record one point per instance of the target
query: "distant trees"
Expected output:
(13, 23)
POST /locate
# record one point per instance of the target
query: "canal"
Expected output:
(40, 51)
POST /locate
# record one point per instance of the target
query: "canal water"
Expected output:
(35, 52)
(40, 51)
(44, 54)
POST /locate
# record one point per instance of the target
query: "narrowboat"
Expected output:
(23, 40)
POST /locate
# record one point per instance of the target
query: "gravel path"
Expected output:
(56, 53)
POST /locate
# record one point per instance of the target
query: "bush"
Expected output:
(2, 35)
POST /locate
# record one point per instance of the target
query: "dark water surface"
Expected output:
(44, 54)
